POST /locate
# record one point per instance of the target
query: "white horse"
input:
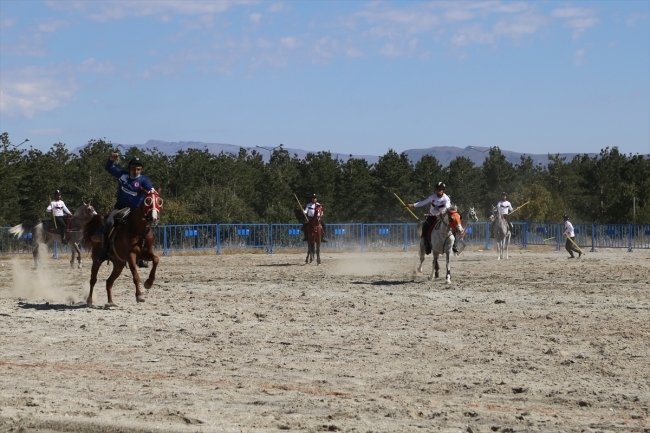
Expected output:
(442, 239)
(501, 233)
(45, 232)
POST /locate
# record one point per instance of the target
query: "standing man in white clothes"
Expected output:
(505, 208)
(570, 234)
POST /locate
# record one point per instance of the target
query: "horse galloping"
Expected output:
(45, 232)
(314, 236)
(442, 238)
(132, 240)
(501, 233)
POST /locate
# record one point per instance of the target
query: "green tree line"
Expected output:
(200, 187)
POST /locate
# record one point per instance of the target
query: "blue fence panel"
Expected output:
(245, 236)
(185, 237)
(543, 234)
(286, 236)
(343, 236)
(385, 235)
(611, 236)
(475, 233)
(640, 237)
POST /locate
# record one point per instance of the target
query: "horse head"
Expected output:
(454, 222)
(88, 211)
(152, 206)
(472, 214)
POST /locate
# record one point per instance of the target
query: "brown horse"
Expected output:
(131, 241)
(45, 232)
(314, 236)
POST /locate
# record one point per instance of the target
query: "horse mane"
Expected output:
(90, 228)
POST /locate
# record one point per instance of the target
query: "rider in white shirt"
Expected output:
(59, 209)
(310, 212)
(570, 234)
(505, 208)
(439, 202)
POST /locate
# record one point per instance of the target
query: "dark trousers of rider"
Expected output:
(430, 221)
(570, 247)
(60, 225)
(304, 228)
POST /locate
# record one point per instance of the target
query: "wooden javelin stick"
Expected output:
(519, 207)
(404, 204)
(548, 239)
(300, 206)
(567, 236)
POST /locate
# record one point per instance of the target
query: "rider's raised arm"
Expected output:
(426, 201)
(114, 171)
(49, 208)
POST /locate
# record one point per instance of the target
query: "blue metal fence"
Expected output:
(273, 237)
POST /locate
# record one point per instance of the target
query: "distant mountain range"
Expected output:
(444, 154)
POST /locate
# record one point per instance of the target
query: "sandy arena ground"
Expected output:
(263, 343)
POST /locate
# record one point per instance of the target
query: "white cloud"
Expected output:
(52, 25)
(255, 18)
(278, 7)
(107, 10)
(578, 19)
(353, 52)
(633, 18)
(27, 95)
(289, 42)
(93, 66)
(579, 56)
(45, 131)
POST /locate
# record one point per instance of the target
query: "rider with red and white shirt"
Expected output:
(310, 212)
(439, 202)
(505, 208)
(59, 209)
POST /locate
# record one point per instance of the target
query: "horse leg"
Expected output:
(152, 274)
(422, 254)
(72, 247)
(448, 278)
(133, 260)
(435, 267)
(76, 247)
(93, 274)
(35, 255)
(507, 243)
(318, 251)
(117, 270)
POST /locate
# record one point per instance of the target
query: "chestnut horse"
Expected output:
(314, 236)
(132, 241)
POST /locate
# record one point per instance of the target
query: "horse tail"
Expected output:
(21, 229)
(91, 226)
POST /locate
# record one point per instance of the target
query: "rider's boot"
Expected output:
(323, 238)
(64, 241)
(103, 254)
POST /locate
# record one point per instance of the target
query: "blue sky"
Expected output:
(346, 76)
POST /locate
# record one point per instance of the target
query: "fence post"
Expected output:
(524, 236)
(406, 238)
(593, 238)
(629, 230)
(363, 245)
(218, 239)
(487, 235)
(165, 247)
(269, 247)
(55, 250)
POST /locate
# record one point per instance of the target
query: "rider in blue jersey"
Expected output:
(133, 188)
